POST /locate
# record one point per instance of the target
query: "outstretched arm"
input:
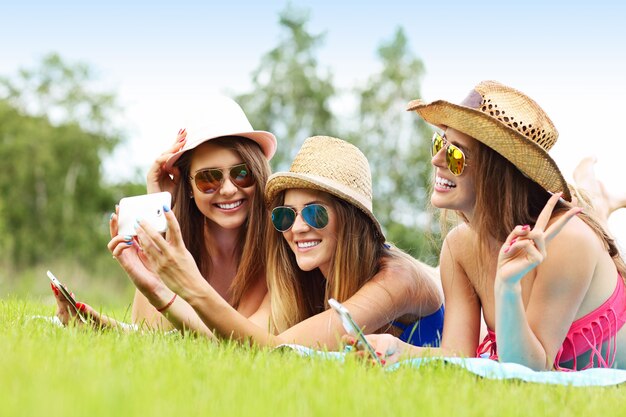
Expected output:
(152, 294)
(387, 296)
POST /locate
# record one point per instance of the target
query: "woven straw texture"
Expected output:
(507, 121)
(330, 165)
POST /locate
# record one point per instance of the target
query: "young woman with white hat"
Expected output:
(326, 243)
(216, 172)
(546, 277)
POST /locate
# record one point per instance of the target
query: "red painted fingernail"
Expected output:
(379, 354)
(382, 361)
(81, 307)
(512, 242)
(54, 289)
(526, 227)
(507, 249)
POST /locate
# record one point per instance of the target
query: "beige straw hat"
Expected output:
(331, 165)
(221, 117)
(507, 121)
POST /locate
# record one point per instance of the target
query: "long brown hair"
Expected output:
(297, 295)
(251, 243)
(506, 198)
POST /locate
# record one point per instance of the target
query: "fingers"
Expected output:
(385, 347)
(527, 248)
(546, 213)
(120, 243)
(181, 137)
(517, 233)
(180, 141)
(90, 314)
(558, 225)
(113, 225)
(154, 238)
(150, 241)
(174, 235)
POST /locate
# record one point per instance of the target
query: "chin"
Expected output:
(436, 202)
(230, 223)
(306, 265)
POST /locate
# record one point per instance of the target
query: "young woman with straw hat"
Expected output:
(325, 242)
(216, 172)
(547, 278)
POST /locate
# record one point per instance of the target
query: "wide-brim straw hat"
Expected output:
(331, 165)
(223, 117)
(509, 122)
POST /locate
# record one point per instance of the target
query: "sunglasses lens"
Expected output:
(241, 176)
(208, 180)
(437, 144)
(315, 215)
(455, 159)
(283, 218)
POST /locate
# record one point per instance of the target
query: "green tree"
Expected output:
(290, 93)
(63, 93)
(54, 132)
(396, 144)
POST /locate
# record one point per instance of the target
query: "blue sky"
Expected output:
(163, 57)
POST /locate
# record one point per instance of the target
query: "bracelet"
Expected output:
(165, 307)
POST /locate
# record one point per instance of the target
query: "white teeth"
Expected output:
(230, 205)
(308, 244)
(444, 183)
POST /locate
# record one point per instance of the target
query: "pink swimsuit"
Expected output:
(588, 333)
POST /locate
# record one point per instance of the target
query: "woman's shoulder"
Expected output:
(460, 241)
(577, 232)
(404, 268)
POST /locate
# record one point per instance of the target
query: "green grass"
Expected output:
(51, 371)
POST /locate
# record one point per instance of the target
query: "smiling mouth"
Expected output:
(444, 183)
(308, 244)
(229, 206)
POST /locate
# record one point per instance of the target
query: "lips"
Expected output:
(229, 206)
(306, 244)
(444, 183)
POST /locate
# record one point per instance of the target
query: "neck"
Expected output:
(325, 271)
(469, 215)
(220, 241)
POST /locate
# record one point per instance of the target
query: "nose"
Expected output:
(228, 188)
(439, 159)
(299, 225)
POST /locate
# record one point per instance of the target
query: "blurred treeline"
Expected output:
(57, 129)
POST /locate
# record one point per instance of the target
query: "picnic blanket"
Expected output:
(487, 368)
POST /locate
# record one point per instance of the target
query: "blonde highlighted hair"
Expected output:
(297, 295)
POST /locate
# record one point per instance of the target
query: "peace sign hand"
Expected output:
(525, 248)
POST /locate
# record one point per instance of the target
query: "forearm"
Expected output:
(516, 341)
(223, 319)
(179, 314)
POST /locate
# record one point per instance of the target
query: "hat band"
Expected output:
(473, 100)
